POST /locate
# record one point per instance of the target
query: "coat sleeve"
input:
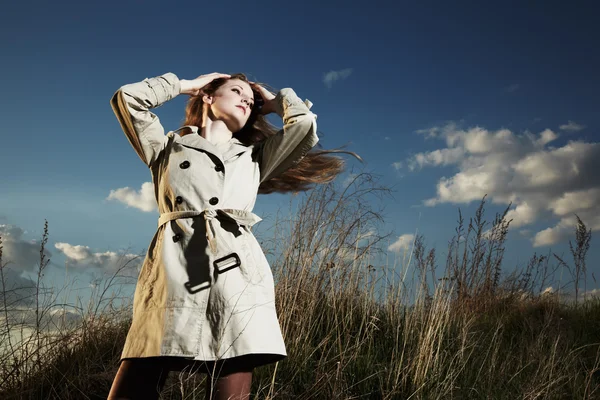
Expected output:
(131, 104)
(299, 134)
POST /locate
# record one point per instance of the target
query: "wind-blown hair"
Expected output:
(316, 166)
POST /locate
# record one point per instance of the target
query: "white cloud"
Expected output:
(584, 203)
(522, 214)
(404, 243)
(572, 127)
(143, 200)
(575, 201)
(550, 236)
(539, 179)
(435, 158)
(18, 290)
(84, 257)
(330, 77)
(17, 252)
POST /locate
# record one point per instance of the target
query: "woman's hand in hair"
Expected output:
(268, 98)
(194, 87)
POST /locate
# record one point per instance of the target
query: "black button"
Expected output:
(219, 168)
(184, 164)
(177, 237)
(213, 201)
(179, 199)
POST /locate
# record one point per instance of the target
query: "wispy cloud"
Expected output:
(512, 88)
(330, 77)
(572, 127)
(349, 179)
(142, 200)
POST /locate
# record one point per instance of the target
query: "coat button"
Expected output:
(177, 237)
(213, 201)
(184, 164)
(179, 199)
(218, 168)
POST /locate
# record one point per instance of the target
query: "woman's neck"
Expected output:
(215, 131)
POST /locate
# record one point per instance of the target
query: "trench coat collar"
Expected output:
(196, 141)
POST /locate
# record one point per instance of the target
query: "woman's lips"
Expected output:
(243, 109)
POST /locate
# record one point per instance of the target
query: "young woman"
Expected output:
(204, 299)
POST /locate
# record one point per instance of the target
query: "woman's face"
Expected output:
(232, 103)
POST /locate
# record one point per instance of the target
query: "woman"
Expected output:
(204, 300)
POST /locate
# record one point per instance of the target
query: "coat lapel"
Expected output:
(196, 141)
(236, 147)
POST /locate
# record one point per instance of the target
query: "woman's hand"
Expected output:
(194, 87)
(268, 98)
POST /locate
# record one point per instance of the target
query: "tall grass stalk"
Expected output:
(357, 324)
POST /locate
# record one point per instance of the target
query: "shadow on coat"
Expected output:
(198, 262)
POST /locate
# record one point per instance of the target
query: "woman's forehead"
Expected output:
(244, 85)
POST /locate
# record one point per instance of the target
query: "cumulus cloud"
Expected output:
(83, 257)
(404, 243)
(572, 127)
(330, 77)
(19, 253)
(539, 179)
(143, 199)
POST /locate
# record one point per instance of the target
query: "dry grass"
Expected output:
(355, 329)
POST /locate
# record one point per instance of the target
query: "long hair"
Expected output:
(316, 166)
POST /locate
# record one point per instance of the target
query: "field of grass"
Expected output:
(354, 329)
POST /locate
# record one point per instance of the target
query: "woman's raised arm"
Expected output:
(131, 104)
(299, 134)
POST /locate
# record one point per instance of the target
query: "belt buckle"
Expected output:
(195, 288)
(226, 263)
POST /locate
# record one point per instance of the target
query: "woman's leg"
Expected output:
(234, 386)
(231, 379)
(139, 378)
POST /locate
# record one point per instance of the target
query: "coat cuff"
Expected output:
(165, 87)
(286, 98)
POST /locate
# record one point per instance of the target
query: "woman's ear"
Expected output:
(206, 98)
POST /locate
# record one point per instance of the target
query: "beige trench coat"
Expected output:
(205, 290)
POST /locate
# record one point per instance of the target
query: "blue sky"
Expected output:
(446, 101)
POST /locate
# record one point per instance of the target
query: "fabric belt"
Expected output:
(241, 217)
